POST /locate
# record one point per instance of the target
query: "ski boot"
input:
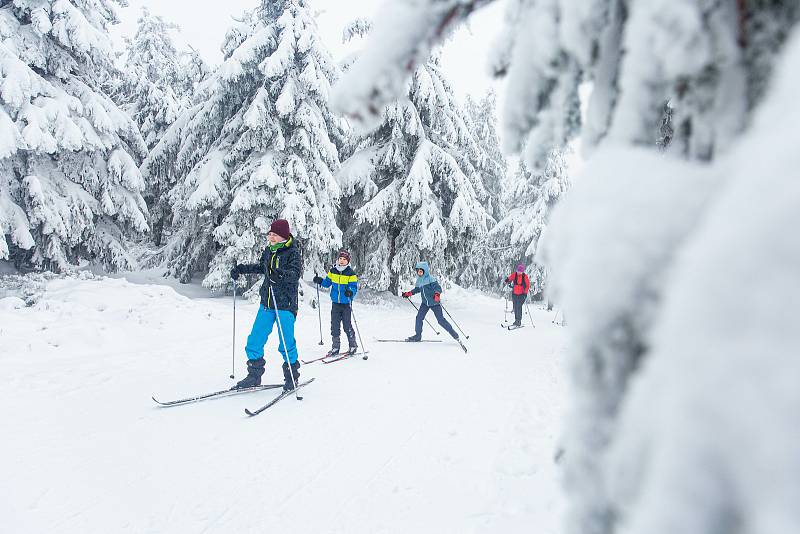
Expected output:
(414, 338)
(255, 369)
(351, 343)
(288, 384)
(334, 348)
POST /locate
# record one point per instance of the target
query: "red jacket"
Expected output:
(522, 284)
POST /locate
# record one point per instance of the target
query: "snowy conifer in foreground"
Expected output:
(406, 195)
(70, 189)
(637, 247)
(710, 63)
(259, 144)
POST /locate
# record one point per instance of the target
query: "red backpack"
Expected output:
(522, 284)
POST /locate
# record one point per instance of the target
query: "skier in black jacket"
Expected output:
(281, 264)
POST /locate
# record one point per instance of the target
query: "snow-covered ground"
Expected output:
(419, 438)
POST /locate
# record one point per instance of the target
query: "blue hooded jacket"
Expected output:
(426, 284)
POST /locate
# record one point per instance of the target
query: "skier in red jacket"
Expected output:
(521, 285)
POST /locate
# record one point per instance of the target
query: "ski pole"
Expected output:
(426, 319)
(528, 309)
(233, 349)
(454, 321)
(505, 299)
(319, 314)
(358, 331)
(282, 338)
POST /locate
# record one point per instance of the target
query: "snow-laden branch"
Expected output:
(405, 33)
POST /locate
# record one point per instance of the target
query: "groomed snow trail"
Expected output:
(419, 438)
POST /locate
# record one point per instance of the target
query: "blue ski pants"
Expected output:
(262, 328)
(437, 311)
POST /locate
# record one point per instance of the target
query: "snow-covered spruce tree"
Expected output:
(685, 76)
(258, 144)
(543, 112)
(491, 166)
(70, 189)
(528, 198)
(702, 57)
(151, 87)
(485, 266)
(193, 70)
(150, 75)
(409, 191)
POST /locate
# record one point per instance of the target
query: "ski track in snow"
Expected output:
(419, 438)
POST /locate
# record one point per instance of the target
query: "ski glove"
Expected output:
(235, 272)
(407, 294)
(348, 293)
(317, 279)
(275, 275)
(437, 297)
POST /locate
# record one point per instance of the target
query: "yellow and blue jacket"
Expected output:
(339, 282)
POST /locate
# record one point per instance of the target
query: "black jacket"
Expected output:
(283, 269)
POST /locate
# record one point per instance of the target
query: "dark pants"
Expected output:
(342, 315)
(518, 301)
(437, 311)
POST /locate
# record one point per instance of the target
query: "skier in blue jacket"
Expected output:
(431, 297)
(344, 285)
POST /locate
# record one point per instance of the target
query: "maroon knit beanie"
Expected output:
(280, 227)
(344, 254)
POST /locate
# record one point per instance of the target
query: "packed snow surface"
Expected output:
(419, 438)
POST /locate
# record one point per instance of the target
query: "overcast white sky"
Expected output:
(203, 26)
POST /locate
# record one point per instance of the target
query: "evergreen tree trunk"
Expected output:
(157, 230)
(394, 279)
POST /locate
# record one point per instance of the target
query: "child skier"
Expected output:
(521, 285)
(281, 265)
(431, 297)
(344, 285)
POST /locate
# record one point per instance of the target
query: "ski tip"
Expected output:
(248, 412)
(157, 401)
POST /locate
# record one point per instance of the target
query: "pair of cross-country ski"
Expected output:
(239, 391)
(328, 358)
